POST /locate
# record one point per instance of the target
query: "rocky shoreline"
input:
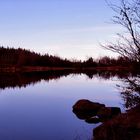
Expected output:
(115, 125)
(125, 126)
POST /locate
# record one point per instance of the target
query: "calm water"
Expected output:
(43, 110)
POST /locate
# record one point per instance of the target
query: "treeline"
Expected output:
(21, 57)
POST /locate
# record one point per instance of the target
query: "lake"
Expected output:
(41, 108)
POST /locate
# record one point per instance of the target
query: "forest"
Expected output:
(11, 57)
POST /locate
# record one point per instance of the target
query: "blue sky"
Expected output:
(67, 28)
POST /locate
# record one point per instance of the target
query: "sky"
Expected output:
(72, 29)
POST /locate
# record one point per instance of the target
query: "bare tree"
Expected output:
(128, 16)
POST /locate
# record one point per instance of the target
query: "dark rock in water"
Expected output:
(115, 111)
(93, 120)
(87, 106)
(125, 126)
(83, 115)
(104, 113)
(93, 112)
(85, 109)
(108, 112)
(115, 126)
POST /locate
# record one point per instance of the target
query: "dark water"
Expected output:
(39, 108)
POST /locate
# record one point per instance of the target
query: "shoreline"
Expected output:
(125, 126)
(13, 69)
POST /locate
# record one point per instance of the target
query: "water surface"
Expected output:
(42, 110)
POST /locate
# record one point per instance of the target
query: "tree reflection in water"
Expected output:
(130, 91)
(22, 79)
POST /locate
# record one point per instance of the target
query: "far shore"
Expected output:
(13, 69)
